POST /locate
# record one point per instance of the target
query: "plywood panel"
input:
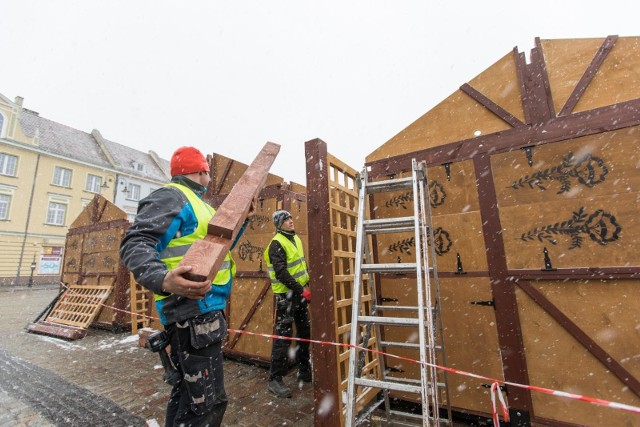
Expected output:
(245, 294)
(566, 61)
(225, 172)
(597, 165)
(617, 80)
(470, 336)
(72, 253)
(99, 210)
(601, 232)
(456, 118)
(607, 311)
(500, 84)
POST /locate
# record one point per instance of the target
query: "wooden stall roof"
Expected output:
(583, 74)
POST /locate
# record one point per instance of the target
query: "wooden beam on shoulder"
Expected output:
(206, 255)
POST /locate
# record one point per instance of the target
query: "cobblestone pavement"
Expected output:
(106, 379)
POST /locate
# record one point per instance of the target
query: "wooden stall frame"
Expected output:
(543, 126)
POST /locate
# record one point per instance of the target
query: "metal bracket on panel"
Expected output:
(447, 169)
(547, 261)
(490, 303)
(528, 151)
(460, 269)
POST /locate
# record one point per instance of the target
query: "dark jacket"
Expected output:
(278, 258)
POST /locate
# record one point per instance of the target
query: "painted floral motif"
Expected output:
(247, 250)
(602, 227)
(436, 193)
(589, 171)
(441, 238)
(258, 221)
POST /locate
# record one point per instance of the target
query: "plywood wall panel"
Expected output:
(607, 312)
(457, 118)
(598, 165)
(246, 292)
(499, 83)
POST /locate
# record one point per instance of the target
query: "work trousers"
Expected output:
(199, 400)
(287, 313)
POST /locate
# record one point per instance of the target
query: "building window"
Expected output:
(8, 164)
(1, 123)
(134, 192)
(62, 177)
(138, 166)
(93, 183)
(5, 202)
(56, 214)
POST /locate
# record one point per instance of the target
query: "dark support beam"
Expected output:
(612, 117)
(491, 106)
(535, 90)
(506, 306)
(598, 352)
(588, 75)
(231, 343)
(327, 399)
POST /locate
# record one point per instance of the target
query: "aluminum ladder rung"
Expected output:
(402, 308)
(387, 321)
(396, 267)
(389, 385)
(389, 225)
(412, 381)
(389, 185)
(404, 345)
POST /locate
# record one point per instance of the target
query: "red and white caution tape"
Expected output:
(495, 387)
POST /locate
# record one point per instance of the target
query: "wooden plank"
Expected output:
(206, 255)
(62, 331)
(321, 266)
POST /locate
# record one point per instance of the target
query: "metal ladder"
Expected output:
(426, 315)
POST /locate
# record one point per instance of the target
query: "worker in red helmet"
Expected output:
(289, 282)
(169, 220)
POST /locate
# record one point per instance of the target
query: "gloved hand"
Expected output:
(306, 294)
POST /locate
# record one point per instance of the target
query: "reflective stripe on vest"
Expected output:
(178, 247)
(296, 264)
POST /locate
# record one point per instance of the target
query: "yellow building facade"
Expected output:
(48, 174)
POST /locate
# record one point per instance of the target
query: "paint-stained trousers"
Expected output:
(198, 400)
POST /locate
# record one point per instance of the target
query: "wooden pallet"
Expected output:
(73, 313)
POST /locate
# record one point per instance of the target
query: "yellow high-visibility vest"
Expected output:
(296, 264)
(178, 247)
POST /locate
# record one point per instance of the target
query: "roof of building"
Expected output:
(62, 140)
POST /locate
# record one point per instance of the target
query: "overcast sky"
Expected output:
(228, 76)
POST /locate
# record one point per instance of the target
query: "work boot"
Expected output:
(305, 376)
(278, 388)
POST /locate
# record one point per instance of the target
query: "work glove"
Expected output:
(306, 294)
